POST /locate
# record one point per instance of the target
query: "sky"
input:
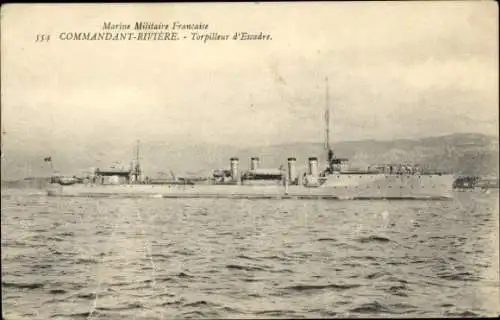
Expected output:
(395, 70)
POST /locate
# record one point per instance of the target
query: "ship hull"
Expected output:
(374, 186)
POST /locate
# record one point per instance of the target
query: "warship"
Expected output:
(335, 181)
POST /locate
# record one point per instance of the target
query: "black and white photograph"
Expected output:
(250, 160)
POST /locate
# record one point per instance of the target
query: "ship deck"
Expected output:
(384, 189)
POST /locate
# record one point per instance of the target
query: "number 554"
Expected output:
(42, 38)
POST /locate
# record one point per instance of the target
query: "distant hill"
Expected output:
(463, 154)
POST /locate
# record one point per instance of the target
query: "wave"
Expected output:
(161, 256)
(200, 303)
(463, 314)
(396, 279)
(404, 306)
(89, 296)
(78, 315)
(327, 239)
(86, 261)
(376, 275)
(177, 302)
(160, 279)
(42, 266)
(461, 276)
(251, 280)
(130, 306)
(281, 257)
(304, 287)
(370, 258)
(397, 290)
(198, 314)
(447, 305)
(373, 239)
(371, 307)
(66, 234)
(272, 312)
(164, 294)
(242, 256)
(57, 291)
(225, 233)
(396, 263)
(56, 238)
(184, 275)
(232, 310)
(22, 285)
(281, 271)
(184, 252)
(245, 268)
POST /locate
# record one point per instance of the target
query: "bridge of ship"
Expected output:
(112, 176)
(340, 166)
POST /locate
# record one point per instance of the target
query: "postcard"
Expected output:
(250, 160)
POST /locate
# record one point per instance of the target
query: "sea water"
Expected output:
(70, 258)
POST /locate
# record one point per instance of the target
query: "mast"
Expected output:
(327, 116)
(330, 155)
(137, 163)
(137, 153)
